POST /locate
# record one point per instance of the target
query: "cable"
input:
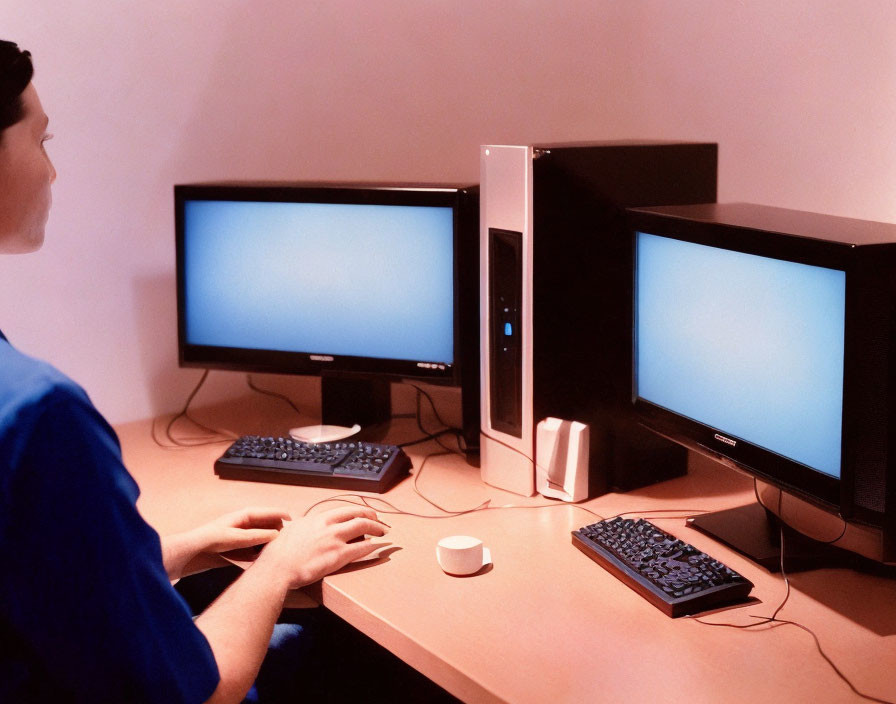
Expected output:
(447, 429)
(509, 447)
(784, 576)
(365, 501)
(428, 438)
(446, 513)
(275, 394)
(214, 437)
(431, 403)
(391, 509)
(430, 501)
(485, 505)
(689, 512)
(777, 622)
(545, 473)
(839, 673)
(781, 518)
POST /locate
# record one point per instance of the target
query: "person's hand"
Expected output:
(307, 549)
(199, 549)
(240, 529)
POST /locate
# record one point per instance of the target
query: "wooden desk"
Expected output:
(546, 624)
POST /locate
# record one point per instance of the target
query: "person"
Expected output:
(87, 607)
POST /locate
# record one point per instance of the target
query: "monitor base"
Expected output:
(756, 533)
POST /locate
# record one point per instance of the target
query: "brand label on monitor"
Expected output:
(431, 365)
(321, 358)
(727, 441)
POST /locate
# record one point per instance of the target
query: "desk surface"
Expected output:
(545, 623)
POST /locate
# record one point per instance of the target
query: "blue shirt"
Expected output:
(87, 612)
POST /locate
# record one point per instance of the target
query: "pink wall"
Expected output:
(800, 95)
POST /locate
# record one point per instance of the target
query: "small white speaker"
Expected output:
(561, 459)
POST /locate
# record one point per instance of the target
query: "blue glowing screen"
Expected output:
(335, 279)
(750, 346)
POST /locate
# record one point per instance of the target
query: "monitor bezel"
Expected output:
(788, 474)
(317, 363)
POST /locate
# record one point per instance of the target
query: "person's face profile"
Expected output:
(26, 174)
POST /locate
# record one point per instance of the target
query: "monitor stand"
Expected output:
(350, 401)
(754, 531)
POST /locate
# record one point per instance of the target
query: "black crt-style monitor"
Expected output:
(764, 338)
(358, 284)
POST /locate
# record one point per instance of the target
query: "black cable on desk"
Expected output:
(275, 394)
(777, 622)
(215, 436)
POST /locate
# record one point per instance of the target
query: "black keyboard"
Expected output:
(355, 466)
(672, 575)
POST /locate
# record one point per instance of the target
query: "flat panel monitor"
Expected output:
(764, 337)
(357, 284)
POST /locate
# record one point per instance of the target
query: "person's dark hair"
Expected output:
(16, 71)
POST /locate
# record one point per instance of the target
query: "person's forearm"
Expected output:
(238, 626)
(184, 554)
(177, 550)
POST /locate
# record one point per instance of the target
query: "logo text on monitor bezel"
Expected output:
(727, 441)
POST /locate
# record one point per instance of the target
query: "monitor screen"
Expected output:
(331, 279)
(750, 346)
